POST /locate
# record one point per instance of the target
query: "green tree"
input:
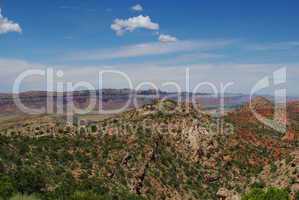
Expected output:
(6, 187)
(94, 128)
(29, 180)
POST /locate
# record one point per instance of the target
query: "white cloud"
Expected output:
(146, 49)
(137, 8)
(167, 38)
(120, 26)
(7, 25)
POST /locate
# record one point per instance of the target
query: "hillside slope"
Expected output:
(159, 151)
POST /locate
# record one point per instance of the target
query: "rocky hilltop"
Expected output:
(162, 150)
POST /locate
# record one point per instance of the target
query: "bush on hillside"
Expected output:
(269, 194)
(24, 197)
(6, 187)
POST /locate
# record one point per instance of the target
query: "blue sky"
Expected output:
(220, 41)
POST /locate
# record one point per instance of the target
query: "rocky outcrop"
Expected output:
(289, 137)
(225, 194)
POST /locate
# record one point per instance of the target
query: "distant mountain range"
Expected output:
(115, 98)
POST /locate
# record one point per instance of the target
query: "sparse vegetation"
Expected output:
(174, 156)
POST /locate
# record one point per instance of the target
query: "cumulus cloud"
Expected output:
(7, 25)
(167, 38)
(120, 26)
(137, 8)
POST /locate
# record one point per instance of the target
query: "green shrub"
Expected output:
(24, 197)
(94, 128)
(78, 195)
(29, 180)
(6, 187)
(273, 168)
(270, 194)
(258, 184)
(277, 194)
(82, 130)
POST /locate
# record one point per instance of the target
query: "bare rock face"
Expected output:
(227, 158)
(224, 194)
(261, 103)
(289, 137)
